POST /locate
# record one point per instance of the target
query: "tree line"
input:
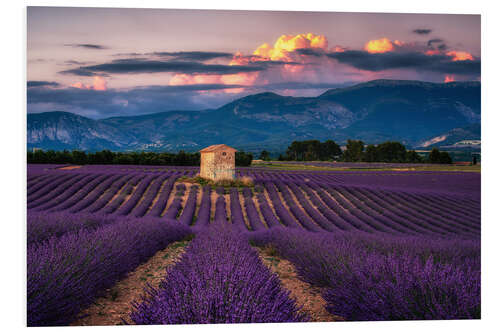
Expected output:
(79, 157)
(357, 151)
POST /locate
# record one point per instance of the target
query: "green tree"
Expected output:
(243, 159)
(434, 156)
(391, 151)
(371, 154)
(79, 157)
(264, 155)
(445, 158)
(413, 157)
(329, 150)
(354, 151)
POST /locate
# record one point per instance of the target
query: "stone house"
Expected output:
(218, 162)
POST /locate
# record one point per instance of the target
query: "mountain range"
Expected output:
(412, 112)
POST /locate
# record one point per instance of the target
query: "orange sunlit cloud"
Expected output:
(432, 52)
(80, 85)
(381, 45)
(338, 48)
(449, 78)
(185, 79)
(228, 79)
(286, 44)
(281, 50)
(289, 43)
(459, 55)
(99, 83)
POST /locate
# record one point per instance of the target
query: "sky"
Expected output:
(106, 62)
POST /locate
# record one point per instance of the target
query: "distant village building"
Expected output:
(218, 162)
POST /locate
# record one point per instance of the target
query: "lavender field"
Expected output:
(376, 245)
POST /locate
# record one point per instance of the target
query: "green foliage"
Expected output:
(312, 150)
(413, 157)
(439, 157)
(226, 183)
(109, 157)
(242, 158)
(264, 155)
(371, 154)
(391, 151)
(354, 151)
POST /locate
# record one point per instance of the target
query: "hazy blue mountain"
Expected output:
(64, 130)
(454, 137)
(408, 111)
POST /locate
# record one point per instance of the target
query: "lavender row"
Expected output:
(220, 279)
(252, 213)
(132, 201)
(80, 193)
(283, 214)
(345, 215)
(95, 194)
(327, 212)
(176, 205)
(42, 225)
(65, 194)
(55, 191)
(321, 220)
(203, 218)
(108, 194)
(220, 216)
(237, 217)
(54, 183)
(267, 212)
(141, 209)
(115, 203)
(299, 214)
(66, 274)
(383, 277)
(159, 206)
(187, 214)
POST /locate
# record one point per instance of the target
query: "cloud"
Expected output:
(131, 66)
(311, 52)
(75, 62)
(80, 72)
(422, 31)
(431, 42)
(449, 78)
(459, 55)
(33, 84)
(188, 87)
(192, 55)
(88, 46)
(296, 85)
(381, 45)
(200, 56)
(408, 60)
(99, 84)
(136, 101)
(286, 44)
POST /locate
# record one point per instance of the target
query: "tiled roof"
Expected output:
(213, 148)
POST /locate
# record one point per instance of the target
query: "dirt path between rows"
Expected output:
(304, 294)
(70, 167)
(117, 302)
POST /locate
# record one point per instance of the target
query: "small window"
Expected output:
(223, 153)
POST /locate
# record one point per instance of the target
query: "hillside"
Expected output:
(407, 111)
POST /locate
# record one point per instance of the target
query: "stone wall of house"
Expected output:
(218, 165)
(207, 165)
(224, 165)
